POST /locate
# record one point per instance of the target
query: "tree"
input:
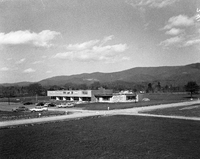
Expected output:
(166, 88)
(192, 87)
(149, 88)
(54, 87)
(95, 85)
(82, 86)
(8, 92)
(35, 89)
(159, 87)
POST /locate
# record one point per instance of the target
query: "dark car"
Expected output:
(28, 103)
(51, 105)
(19, 109)
(39, 104)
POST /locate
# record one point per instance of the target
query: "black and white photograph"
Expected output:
(99, 79)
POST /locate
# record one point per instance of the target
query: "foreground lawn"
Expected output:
(6, 115)
(188, 111)
(106, 137)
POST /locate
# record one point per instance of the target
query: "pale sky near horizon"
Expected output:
(45, 38)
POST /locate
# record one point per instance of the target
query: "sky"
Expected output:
(40, 39)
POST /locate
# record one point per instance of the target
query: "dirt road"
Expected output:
(88, 113)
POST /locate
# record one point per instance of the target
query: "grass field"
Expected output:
(188, 111)
(8, 115)
(155, 99)
(33, 99)
(105, 138)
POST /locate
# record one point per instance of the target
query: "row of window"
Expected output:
(74, 98)
(75, 92)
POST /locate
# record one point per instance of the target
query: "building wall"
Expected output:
(70, 93)
(100, 95)
(124, 98)
(118, 98)
(102, 92)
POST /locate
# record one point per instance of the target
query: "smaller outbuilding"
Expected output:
(124, 96)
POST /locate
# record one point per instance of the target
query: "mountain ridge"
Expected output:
(178, 75)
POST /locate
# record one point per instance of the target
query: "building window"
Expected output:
(86, 98)
(130, 97)
(84, 92)
(67, 98)
(76, 98)
(53, 97)
(106, 98)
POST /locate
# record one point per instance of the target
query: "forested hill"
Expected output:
(178, 75)
(175, 75)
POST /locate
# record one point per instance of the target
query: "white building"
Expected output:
(100, 95)
(124, 96)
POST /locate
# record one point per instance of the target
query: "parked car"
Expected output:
(27, 103)
(38, 109)
(51, 105)
(146, 99)
(65, 105)
(39, 104)
(46, 104)
(62, 105)
(19, 109)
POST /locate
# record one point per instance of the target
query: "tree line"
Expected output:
(152, 87)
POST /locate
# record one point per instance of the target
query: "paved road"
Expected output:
(88, 113)
(161, 106)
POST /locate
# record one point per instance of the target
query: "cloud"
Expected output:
(174, 31)
(151, 3)
(180, 21)
(48, 71)
(161, 3)
(26, 37)
(109, 48)
(143, 5)
(29, 70)
(192, 42)
(195, 39)
(185, 30)
(82, 46)
(93, 50)
(172, 41)
(106, 39)
(44, 57)
(37, 62)
(9, 59)
(88, 44)
(20, 61)
(4, 69)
